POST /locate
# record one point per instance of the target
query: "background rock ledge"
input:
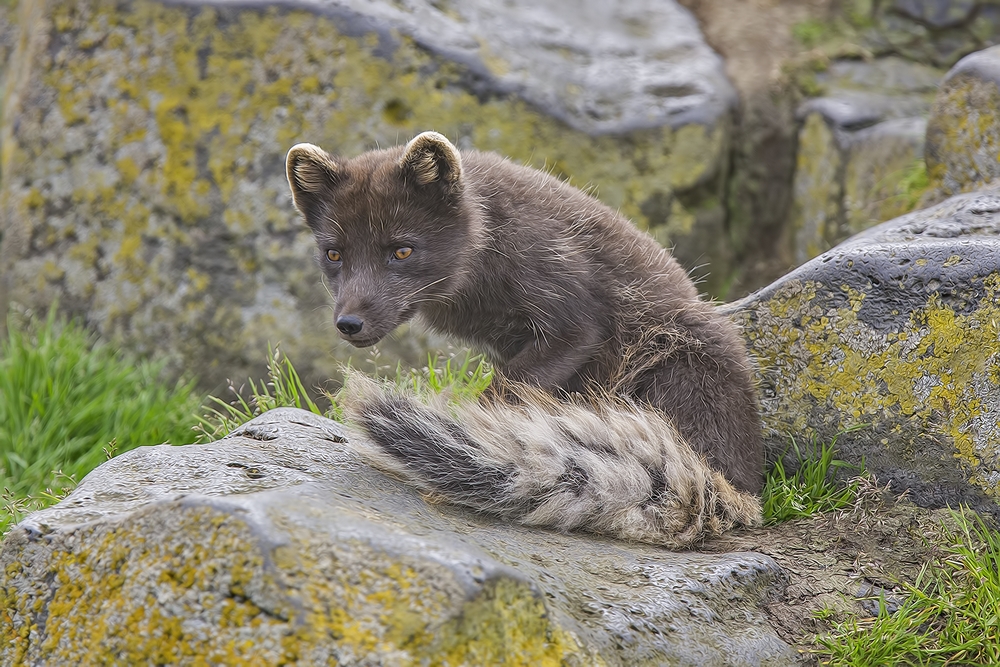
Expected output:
(289, 549)
(895, 332)
(142, 162)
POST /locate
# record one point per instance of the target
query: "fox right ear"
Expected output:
(431, 158)
(310, 171)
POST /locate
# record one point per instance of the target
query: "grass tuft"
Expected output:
(461, 381)
(951, 615)
(66, 397)
(812, 489)
(283, 389)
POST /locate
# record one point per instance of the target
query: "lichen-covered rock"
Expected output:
(937, 32)
(277, 545)
(847, 181)
(884, 175)
(895, 333)
(142, 184)
(963, 134)
(859, 152)
(817, 190)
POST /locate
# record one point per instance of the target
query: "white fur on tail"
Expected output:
(607, 467)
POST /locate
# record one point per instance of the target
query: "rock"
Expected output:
(935, 32)
(936, 13)
(817, 189)
(277, 543)
(600, 67)
(895, 333)
(142, 179)
(883, 174)
(963, 135)
(858, 160)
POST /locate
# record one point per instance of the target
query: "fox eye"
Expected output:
(402, 253)
(333, 255)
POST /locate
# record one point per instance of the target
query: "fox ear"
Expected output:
(431, 158)
(310, 171)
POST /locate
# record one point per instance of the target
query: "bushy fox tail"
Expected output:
(607, 467)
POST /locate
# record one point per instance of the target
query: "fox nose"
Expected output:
(349, 324)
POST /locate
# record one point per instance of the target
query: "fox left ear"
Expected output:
(431, 158)
(311, 172)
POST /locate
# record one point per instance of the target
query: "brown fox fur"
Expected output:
(561, 292)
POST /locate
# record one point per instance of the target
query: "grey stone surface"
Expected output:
(600, 66)
(893, 333)
(936, 13)
(278, 543)
(936, 32)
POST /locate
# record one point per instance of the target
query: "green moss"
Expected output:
(882, 181)
(811, 32)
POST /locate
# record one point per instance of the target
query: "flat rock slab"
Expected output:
(895, 333)
(277, 544)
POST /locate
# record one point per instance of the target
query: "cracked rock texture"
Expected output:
(277, 544)
(142, 166)
(895, 333)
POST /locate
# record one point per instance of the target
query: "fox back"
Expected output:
(557, 289)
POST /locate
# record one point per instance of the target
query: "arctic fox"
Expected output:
(604, 349)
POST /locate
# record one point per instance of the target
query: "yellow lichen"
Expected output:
(930, 370)
(184, 114)
(963, 135)
(119, 597)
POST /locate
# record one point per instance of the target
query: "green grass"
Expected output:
(951, 615)
(462, 377)
(812, 489)
(283, 389)
(68, 400)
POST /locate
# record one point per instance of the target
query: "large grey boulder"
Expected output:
(894, 333)
(142, 179)
(277, 544)
(601, 67)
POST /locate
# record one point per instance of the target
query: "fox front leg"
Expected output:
(553, 361)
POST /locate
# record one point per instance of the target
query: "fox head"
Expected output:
(395, 229)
